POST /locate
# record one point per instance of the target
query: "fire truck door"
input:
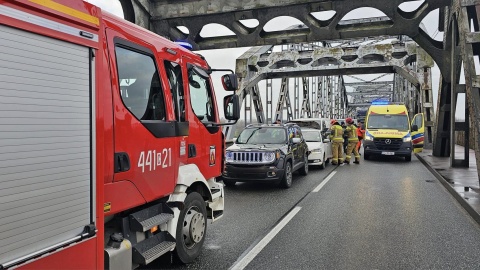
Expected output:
(146, 148)
(205, 140)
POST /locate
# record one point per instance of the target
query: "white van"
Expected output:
(323, 124)
(319, 146)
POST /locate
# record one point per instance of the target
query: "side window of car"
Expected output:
(298, 133)
(140, 86)
(418, 121)
(291, 134)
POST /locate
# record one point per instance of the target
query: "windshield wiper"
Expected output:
(249, 137)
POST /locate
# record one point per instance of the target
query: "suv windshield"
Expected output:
(311, 135)
(388, 121)
(262, 135)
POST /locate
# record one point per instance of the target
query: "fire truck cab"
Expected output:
(110, 140)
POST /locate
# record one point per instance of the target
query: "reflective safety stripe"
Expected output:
(352, 133)
(43, 22)
(67, 10)
(338, 133)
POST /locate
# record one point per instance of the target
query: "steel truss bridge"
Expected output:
(317, 55)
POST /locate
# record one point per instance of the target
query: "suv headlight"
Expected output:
(228, 156)
(318, 150)
(407, 139)
(269, 156)
(368, 138)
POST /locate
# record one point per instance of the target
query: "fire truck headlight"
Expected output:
(407, 139)
(269, 156)
(368, 138)
(228, 156)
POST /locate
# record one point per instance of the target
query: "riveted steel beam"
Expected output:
(383, 58)
(167, 16)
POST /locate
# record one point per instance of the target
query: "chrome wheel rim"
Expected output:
(289, 174)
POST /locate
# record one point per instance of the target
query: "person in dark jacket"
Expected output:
(345, 137)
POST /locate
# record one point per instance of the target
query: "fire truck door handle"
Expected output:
(122, 162)
(192, 151)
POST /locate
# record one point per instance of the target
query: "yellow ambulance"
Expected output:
(389, 132)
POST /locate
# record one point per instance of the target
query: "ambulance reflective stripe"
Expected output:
(418, 138)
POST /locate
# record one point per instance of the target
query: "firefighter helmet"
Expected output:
(349, 120)
(333, 121)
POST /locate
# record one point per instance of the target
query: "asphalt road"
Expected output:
(382, 214)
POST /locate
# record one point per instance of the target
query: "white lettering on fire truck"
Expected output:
(151, 160)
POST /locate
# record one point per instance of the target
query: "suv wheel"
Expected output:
(286, 181)
(304, 169)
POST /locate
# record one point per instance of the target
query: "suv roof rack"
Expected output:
(270, 125)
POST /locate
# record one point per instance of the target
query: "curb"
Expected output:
(474, 214)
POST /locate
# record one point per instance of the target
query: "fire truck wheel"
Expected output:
(191, 228)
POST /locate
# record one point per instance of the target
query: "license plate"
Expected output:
(388, 153)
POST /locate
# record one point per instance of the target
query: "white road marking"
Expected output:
(239, 265)
(324, 181)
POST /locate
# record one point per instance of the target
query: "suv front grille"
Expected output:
(248, 158)
(382, 144)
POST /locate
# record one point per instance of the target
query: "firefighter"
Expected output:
(336, 137)
(351, 131)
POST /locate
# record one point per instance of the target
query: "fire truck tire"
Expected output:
(191, 229)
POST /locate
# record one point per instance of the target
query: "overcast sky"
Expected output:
(225, 58)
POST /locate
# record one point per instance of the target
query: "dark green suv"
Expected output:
(266, 153)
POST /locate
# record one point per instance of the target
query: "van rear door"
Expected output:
(418, 136)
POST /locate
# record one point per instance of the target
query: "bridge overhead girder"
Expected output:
(367, 59)
(165, 17)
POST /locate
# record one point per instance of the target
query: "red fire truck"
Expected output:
(110, 140)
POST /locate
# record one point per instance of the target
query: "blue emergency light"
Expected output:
(380, 102)
(184, 44)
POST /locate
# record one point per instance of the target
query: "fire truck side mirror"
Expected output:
(231, 107)
(230, 82)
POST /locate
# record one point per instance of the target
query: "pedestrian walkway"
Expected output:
(463, 183)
